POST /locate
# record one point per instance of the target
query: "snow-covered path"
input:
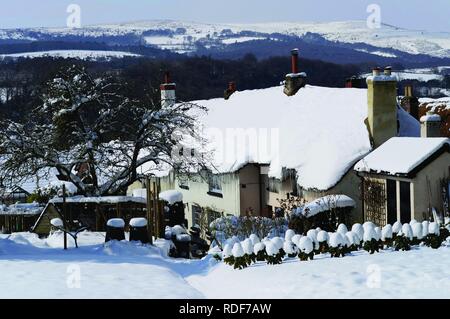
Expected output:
(35, 268)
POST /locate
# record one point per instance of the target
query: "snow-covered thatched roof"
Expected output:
(401, 155)
(319, 132)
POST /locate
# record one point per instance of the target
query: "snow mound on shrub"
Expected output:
(425, 226)
(237, 250)
(368, 225)
(322, 236)
(342, 229)
(336, 240)
(397, 227)
(296, 239)
(278, 242)
(358, 229)
(369, 234)
(258, 247)
(247, 245)
(417, 230)
(289, 234)
(407, 231)
(352, 237)
(254, 238)
(433, 228)
(227, 251)
(386, 232)
(378, 233)
(271, 248)
(289, 247)
(306, 245)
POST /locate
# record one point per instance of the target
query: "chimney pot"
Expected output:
(167, 77)
(388, 70)
(294, 61)
(376, 71)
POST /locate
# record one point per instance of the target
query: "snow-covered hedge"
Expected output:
(243, 227)
(368, 236)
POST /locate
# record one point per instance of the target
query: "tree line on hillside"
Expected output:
(197, 77)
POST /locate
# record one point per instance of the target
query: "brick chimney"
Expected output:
(230, 90)
(382, 105)
(430, 125)
(410, 103)
(168, 88)
(294, 81)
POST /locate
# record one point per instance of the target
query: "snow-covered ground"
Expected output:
(31, 267)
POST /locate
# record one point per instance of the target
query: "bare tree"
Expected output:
(96, 137)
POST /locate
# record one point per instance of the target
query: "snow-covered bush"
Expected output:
(244, 226)
(396, 228)
(312, 234)
(401, 242)
(279, 243)
(247, 245)
(359, 230)
(342, 229)
(417, 233)
(322, 238)
(289, 234)
(371, 243)
(290, 248)
(407, 231)
(255, 239)
(273, 253)
(337, 245)
(260, 251)
(425, 226)
(387, 235)
(296, 239)
(353, 240)
(227, 254)
(306, 248)
(433, 239)
(240, 261)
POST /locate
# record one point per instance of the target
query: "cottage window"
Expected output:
(215, 183)
(196, 215)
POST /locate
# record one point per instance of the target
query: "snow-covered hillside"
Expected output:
(74, 54)
(38, 268)
(184, 37)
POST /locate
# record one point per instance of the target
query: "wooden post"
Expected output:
(149, 211)
(64, 216)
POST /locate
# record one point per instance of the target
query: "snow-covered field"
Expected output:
(74, 54)
(31, 267)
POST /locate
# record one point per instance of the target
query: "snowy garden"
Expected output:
(365, 261)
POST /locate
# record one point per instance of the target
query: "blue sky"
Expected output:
(429, 15)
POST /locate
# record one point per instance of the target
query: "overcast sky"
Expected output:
(432, 15)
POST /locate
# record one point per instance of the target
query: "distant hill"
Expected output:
(337, 42)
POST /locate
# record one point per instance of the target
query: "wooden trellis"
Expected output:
(374, 196)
